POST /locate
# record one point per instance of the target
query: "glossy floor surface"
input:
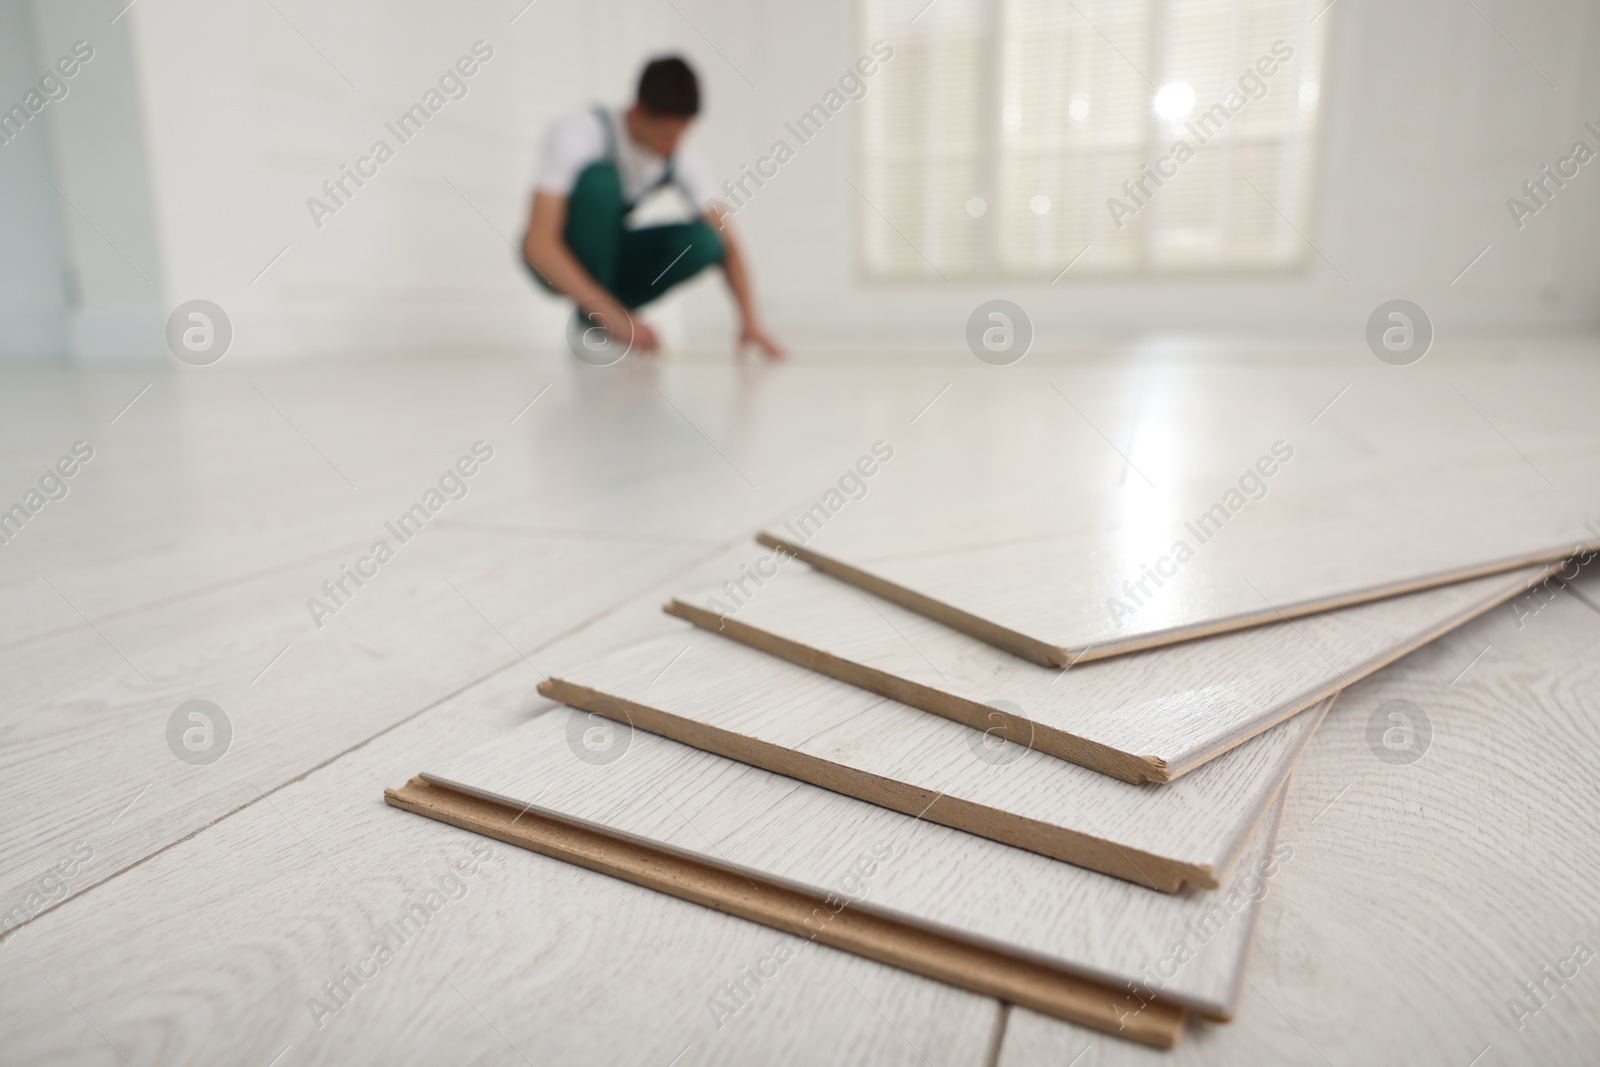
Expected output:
(187, 883)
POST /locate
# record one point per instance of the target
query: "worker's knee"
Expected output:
(705, 245)
(658, 258)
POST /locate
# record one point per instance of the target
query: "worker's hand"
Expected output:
(752, 334)
(622, 327)
(644, 338)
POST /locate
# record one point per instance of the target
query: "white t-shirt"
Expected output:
(579, 140)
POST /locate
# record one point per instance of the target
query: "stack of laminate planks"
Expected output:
(1031, 753)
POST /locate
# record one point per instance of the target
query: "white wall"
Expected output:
(195, 138)
(1431, 121)
(247, 119)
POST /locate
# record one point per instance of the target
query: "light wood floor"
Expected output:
(177, 914)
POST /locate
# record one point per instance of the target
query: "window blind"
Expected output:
(1014, 138)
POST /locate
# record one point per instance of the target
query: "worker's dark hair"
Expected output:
(668, 87)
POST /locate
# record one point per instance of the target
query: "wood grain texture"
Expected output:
(722, 697)
(585, 769)
(854, 930)
(141, 590)
(1150, 716)
(92, 724)
(203, 927)
(1060, 570)
(1473, 870)
(209, 952)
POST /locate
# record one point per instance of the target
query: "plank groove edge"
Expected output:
(876, 937)
(1065, 656)
(1124, 766)
(1018, 644)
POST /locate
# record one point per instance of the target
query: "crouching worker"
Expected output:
(599, 165)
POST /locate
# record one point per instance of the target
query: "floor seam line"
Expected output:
(262, 794)
(997, 1034)
(179, 598)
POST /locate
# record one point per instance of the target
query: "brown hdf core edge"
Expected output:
(1017, 729)
(1081, 850)
(925, 952)
(1020, 730)
(1063, 656)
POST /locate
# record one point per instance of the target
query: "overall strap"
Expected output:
(668, 177)
(668, 172)
(604, 116)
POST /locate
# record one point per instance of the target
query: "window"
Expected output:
(1016, 137)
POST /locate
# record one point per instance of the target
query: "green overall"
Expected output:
(635, 266)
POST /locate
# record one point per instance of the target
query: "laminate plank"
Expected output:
(212, 951)
(670, 797)
(1062, 568)
(1475, 882)
(854, 930)
(1149, 716)
(83, 729)
(722, 697)
(202, 941)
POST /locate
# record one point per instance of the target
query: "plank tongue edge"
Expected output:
(930, 954)
(1087, 850)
